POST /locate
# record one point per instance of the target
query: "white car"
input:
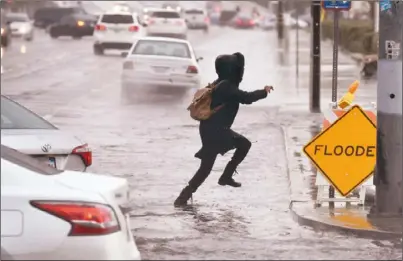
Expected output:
(166, 23)
(269, 22)
(294, 23)
(21, 25)
(23, 130)
(160, 62)
(196, 19)
(116, 30)
(146, 13)
(48, 214)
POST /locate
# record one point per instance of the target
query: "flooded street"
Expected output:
(152, 143)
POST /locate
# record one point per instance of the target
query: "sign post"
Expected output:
(336, 6)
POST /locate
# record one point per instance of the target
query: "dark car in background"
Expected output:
(226, 17)
(243, 21)
(74, 25)
(47, 16)
(5, 30)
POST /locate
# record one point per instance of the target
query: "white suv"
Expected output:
(166, 23)
(117, 30)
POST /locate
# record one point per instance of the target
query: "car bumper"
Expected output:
(156, 31)
(106, 247)
(114, 45)
(193, 25)
(20, 33)
(168, 81)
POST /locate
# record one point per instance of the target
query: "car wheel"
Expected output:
(98, 50)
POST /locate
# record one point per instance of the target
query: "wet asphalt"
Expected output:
(151, 142)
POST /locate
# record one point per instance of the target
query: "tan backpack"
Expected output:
(200, 109)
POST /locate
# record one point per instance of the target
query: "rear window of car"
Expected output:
(15, 116)
(162, 14)
(162, 48)
(17, 18)
(200, 12)
(27, 162)
(117, 19)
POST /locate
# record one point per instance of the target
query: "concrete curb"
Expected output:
(298, 199)
(321, 225)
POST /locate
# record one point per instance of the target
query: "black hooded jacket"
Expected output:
(215, 133)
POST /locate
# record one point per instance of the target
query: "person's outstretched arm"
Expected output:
(229, 93)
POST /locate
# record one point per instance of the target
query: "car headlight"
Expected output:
(2, 31)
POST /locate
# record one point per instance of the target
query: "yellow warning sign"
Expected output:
(345, 153)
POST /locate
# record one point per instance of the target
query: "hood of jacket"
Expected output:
(230, 67)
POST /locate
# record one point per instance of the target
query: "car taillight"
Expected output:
(100, 27)
(207, 20)
(85, 153)
(239, 21)
(133, 28)
(86, 219)
(151, 21)
(192, 69)
(179, 23)
(128, 65)
(251, 22)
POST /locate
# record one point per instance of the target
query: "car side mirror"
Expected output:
(8, 22)
(124, 54)
(199, 59)
(144, 24)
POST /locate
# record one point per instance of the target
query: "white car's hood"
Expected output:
(31, 142)
(113, 189)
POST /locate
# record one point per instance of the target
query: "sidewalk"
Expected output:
(300, 127)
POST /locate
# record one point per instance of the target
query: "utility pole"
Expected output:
(388, 174)
(314, 101)
(280, 21)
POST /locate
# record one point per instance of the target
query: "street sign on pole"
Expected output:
(336, 5)
(345, 153)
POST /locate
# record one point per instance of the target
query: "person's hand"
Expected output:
(268, 89)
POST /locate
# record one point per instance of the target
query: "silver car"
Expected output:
(25, 131)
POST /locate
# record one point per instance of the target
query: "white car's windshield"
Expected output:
(14, 116)
(27, 162)
(163, 48)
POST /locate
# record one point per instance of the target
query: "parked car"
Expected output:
(25, 131)
(50, 214)
(47, 16)
(5, 30)
(21, 25)
(74, 25)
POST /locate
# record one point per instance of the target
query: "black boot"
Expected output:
(226, 177)
(183, 197)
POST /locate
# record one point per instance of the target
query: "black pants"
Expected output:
(242, 146)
